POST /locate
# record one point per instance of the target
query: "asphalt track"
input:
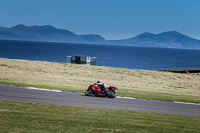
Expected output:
(28, 94)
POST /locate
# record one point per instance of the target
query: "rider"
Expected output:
(101, 85)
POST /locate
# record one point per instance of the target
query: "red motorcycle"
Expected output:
(94, 90)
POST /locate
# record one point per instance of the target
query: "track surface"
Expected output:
(79, 99)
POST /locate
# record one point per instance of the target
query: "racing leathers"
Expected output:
(102, 86)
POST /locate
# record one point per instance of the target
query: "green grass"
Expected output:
(36, 117)
(41, 86)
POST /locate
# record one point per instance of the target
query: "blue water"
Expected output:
(115, 56)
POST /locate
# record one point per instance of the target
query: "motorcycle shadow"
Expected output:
(97, 96)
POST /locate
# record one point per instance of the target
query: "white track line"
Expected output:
(125, 97)
(41, 89)
(186, 103)
(32, 88)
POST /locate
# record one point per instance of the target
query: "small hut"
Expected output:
(87, 60)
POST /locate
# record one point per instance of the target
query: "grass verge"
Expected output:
(37, 117)
(70, 77)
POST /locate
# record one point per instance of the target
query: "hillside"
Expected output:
(170, 39)
(46, 33)
(72, 77)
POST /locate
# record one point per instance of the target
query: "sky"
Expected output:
(112, 19)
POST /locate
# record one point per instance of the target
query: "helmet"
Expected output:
(98, 81)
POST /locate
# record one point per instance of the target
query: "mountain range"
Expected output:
(48, 33)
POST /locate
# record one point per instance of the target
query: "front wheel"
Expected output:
(89, 92)
(112, 94)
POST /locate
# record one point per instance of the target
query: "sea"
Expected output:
(147, 58)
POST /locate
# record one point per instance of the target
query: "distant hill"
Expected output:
(170, 39)
(46, 33)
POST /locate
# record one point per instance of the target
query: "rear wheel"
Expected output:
(112, 94)
(89, 92)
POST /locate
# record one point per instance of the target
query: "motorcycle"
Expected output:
(94, 90)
